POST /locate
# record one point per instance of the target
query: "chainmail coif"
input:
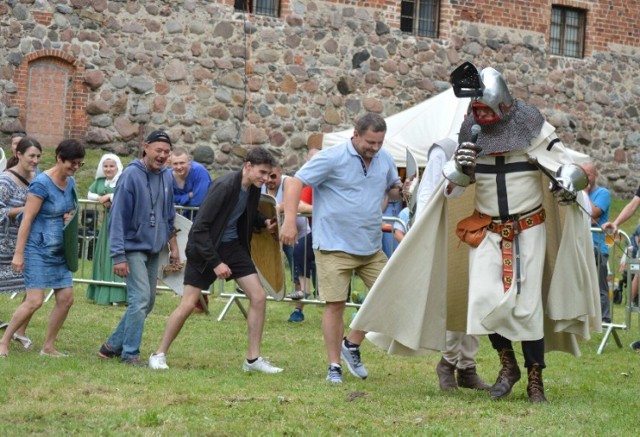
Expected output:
(512, 133)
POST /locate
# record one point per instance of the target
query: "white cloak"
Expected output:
(423, 290)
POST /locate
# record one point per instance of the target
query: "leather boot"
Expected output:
(508, 376)
(469, 378)
(535, 387)
(447, 375)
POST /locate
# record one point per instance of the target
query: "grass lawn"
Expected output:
(206, 393)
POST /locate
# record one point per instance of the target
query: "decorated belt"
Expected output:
(509, 232)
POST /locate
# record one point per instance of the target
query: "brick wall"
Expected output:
(218, 80)
(51, 96)
(608, 21)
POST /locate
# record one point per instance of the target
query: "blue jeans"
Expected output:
(605, 303)
(141, 296)
(288, 252)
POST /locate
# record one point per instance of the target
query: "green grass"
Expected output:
(206, 393)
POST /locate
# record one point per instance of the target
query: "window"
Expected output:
(420, 17)
(259, 7)
(566, 37)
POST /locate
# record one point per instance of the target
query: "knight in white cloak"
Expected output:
(531, 277)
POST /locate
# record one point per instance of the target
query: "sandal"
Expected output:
(25, 341)
(297, 295)
(54, 354)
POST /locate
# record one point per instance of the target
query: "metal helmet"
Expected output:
(495, 91)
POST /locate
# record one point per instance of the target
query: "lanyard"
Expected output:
(152, 214)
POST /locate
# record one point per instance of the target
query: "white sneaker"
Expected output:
(158, 361)
(260, 365)
(351, 357)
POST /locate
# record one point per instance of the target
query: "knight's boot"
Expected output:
(508, 375)
(469, 378)
(447, 375)
(535, 387)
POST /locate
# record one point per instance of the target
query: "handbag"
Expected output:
(471, 230)
(70, 237)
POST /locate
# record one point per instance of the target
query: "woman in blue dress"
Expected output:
(39, 253)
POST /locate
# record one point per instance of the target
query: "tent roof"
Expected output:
(417, 127)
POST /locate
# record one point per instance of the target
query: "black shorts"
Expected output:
(232, 254)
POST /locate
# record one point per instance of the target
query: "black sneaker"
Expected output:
(106, 352)
(135, 362)
(3, 324)
(635, 345)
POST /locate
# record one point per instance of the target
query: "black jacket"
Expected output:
(213, 217)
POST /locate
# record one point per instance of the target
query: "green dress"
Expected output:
(102, 262)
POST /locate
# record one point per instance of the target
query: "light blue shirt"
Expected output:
(347, 203)
(404, 217)
(602, 199)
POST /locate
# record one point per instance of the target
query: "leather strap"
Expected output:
(23, 180)
(509, 232)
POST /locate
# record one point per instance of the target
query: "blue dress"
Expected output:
(44, 264)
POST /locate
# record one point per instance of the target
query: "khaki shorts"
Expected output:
(336, 268)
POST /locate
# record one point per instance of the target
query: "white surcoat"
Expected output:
(433, 282)
(505, 186)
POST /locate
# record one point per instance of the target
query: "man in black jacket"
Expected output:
(218, 248)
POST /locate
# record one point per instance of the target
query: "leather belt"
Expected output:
(509, 232)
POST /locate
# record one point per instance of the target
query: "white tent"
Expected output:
(417, 127)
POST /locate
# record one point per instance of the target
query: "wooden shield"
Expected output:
(174, 279)
(266, 252)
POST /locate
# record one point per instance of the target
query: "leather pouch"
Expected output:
(471, 230)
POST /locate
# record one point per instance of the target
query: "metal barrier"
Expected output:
(631, 265)
(238, 297)
(92, 215)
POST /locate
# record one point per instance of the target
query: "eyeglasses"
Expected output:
(77, 163)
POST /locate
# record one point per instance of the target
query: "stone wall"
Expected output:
(218, 80)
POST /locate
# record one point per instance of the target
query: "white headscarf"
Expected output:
(3, 161)
(100, 171)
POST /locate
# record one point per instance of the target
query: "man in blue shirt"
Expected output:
(349, 183)
(191, 181)
(600, 199)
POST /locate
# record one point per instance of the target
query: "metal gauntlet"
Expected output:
(570, 178)
(462, 169)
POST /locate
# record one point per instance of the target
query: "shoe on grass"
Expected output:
(3, 324)
(334, 375)
(23, 340)
(635, 345)
(351, 357)
(260, 365)
(296, 316)
(158, 361)
(54, 354)
(106, 352)
(135, 362)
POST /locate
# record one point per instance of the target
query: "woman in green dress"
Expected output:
(101, 190)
